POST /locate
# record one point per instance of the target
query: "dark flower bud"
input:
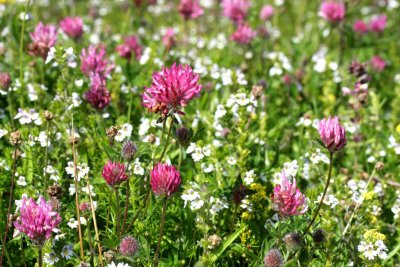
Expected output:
(293, 241)
(183, 135)
(48, 115)
(152, 139)
(273, 258)
(5, 80)
(379, 166)
(129, 150)
(54, 191)
(112, 131)
(109, 256)
(319, 236)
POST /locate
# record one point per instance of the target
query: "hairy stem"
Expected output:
(167, 141)
(126, 207)
(164, 208)
(323, 195)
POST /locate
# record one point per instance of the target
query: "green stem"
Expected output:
(138, 211)
(126, 207)
(46, 156)
(167, 141)
(40, 257)
(117, 204)
(21, 43)
(180, 158)
(323, 195)
(358, 204)
(164, 208)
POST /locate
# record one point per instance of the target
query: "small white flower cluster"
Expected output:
(396, 207)
(68, 55)
(137, 167)
(124, 132)
(372, 158)
(372, 250)
(28, 116)
(3, 132)
(329, 200)
(81, 170)
(281, 63)
(198, 152)
(120, 264)
(236, 101)
(73, 223)
(53, 173)
(74, 100)
(318, 157)
(358, 188)
(394, 144)
(249, 177)
(197, 197)
(307, 122)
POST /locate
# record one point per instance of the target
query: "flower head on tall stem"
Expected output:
(98, 95)
(190, 9)
(114, 173)
(72, 26)
(235, 10)
(243, 34)
(93, 60)
(128, 246)
(164, 180)
(332, 11)
(266, 12)
(273, 258)
(360, 26)
(378, 24)
(332, 134)
(287, 198)
(130, 46)
(172, 88)
(44, 37)
(37, 220)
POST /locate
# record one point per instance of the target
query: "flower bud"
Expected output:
(293, 241)
(112, 131)
(5, 80)
(129, 150)
(15, 138)
(273, 258)
(319, 236)
(128, 246)
(183, 135)
(48, 115)
(379, 166)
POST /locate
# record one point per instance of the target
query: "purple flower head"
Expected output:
(266, 12)
(243, 34)
(332, 134)
(114, 173)
(128, 246)
(37, 220)
(332, 11)
(169, 38)
(235, 10)
(44, 37)
(378, 23)
(93, 60)
(130, 45)
(360, 26)
(287, 198)
(164, 180)
(72, 26)
(171, 89)
(273, 258)
(190, 9)
(98, 95)
(377, 63)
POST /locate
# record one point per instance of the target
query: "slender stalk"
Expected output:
(40, 257)
(164, 208)
(358, 204)
(138, 212)
(77, 190)
(163, 130)
(46, 155)
(21, 43)
(167, 141)
(117, 204)
(126, 207)
(10, 203)
(323, 195)
(96, 230)
(180, 158)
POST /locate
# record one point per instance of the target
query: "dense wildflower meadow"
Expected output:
(199, 133)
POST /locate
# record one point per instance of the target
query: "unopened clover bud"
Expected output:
(5, 80)
(379, 166)
(183, 135)
(293, 241)
(15, 138)
(129, 150)
(48, 115)
(214, 240)
(152, 139)
(319, 236)
(112, 131)
(273, 258)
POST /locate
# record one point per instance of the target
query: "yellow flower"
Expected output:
(398, 128)
(369, 195)
(246, 216)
